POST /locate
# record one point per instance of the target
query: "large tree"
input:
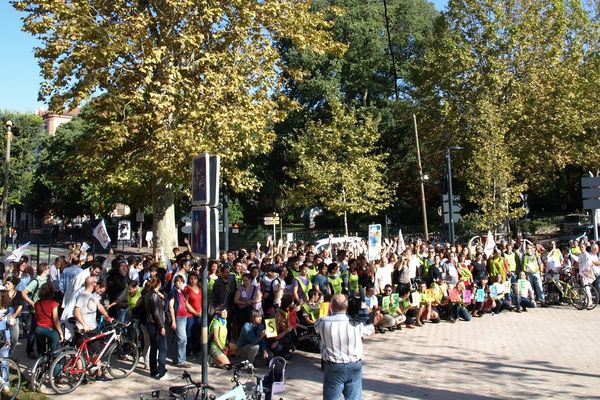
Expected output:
(509, 82)
(336, 165)
(169, 79)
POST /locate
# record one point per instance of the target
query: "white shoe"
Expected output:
(167, 377)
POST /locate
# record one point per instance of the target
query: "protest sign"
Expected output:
(271, 327)
(480, 295)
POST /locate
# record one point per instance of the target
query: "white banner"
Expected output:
(18, 253)
(101, 234)
(401, 244)
(490, 244)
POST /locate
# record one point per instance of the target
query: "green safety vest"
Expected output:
(511, 261)
(305, 288)
(497, 267)
(336, 284)
(353, 282)
(527, 259)
(313, 312)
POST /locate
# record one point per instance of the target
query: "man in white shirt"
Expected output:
(342, 351)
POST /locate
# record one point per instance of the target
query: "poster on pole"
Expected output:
(374, 242)
(201, 180)
(201, 231)
(124, 232)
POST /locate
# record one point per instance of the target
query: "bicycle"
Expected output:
(10, 379)
(250, 390)
(576, 295)
(72, 366)
(42, 367)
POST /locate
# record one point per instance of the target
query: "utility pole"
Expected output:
(421, 181)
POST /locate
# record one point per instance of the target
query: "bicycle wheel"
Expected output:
(37, 373)
(593, 299)
(67, 372)
(578, 297)
(122, 358)
(12, 385)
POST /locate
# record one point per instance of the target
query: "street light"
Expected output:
(3, 208)
(450, 199)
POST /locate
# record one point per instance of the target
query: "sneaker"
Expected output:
(184, 365)
(166, 377)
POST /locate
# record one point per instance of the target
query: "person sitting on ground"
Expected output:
(525, 294)
(427, 312)
(220, 348)
(392, 313)
(252, 339)
(310, 309)
(373, 307)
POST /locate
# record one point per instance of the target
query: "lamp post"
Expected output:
(4, 207)
(450, 195)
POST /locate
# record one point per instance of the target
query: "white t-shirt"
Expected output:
(88, 305)
(586, 261)
(413, 266)
(383, 276)
(372, 301)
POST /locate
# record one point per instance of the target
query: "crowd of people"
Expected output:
(290, 285)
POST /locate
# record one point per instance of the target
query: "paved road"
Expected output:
(544, 353)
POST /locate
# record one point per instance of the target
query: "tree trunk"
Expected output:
(164, 227)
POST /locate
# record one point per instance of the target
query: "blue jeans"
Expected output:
(194, 326)
(181, 334)
(158, 351)
(46, 336)
(4, 352)
(536, 283)
(343, 379)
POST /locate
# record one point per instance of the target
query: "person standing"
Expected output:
(341, 351)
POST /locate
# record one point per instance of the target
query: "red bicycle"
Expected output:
(70, 368)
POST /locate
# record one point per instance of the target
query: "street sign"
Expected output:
(201, 180)
(215, 177)
(272, 220)
(455, 217)
(201, 231)
(590, 192)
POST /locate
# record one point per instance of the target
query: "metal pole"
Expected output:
(450, 199)
(4, 208)
(49, 245)
(595, 225)
(225, 220)
(38, 250)
(203, 263)
(421, 181)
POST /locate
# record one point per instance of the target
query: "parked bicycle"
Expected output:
(71, 367)
(246, 387)
(557, 290)
(41, 368)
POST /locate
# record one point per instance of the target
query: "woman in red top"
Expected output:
(48, 330)
(193, 302)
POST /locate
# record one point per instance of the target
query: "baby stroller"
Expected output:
(274, 380)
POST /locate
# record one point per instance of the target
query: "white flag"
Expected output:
(18, 253)
(84, 247)
(101, 234)
(490, 244)
(401, 245)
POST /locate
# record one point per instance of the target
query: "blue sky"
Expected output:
(19, 73)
